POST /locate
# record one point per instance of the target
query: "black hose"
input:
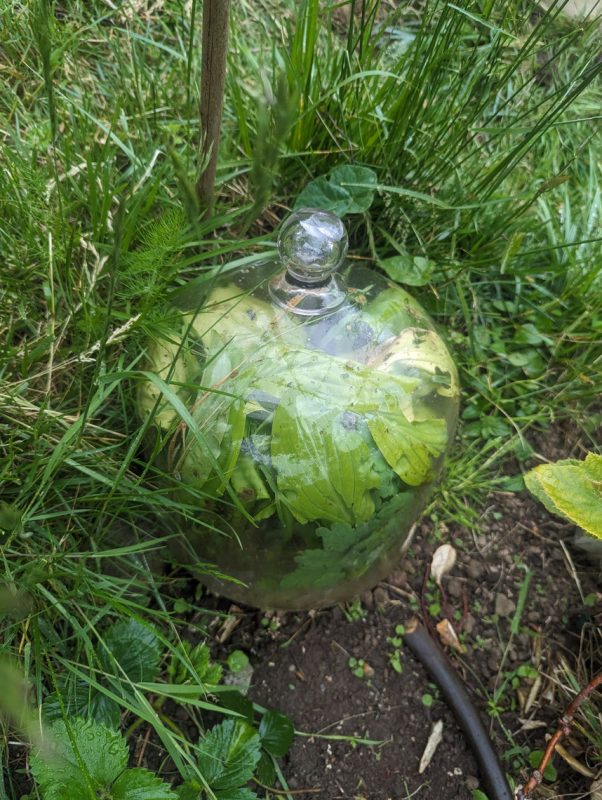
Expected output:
(440, 668)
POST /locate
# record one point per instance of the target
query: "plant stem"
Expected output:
(213, 77)
(564, 728)
(428, 652)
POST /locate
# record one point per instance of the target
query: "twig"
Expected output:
(564, 729)
(441, 670)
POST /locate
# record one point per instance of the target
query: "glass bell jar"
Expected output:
(302, 412)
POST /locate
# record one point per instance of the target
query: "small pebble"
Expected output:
(474, 568)
(367, 600)
(504, 606)
(454, 588)
(469, 624)
(381, 596)
(471, 782)
(398, 578)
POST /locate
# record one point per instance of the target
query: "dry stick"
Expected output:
(428, 652)
(213, 78)
(564, 729)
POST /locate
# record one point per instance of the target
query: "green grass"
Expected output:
(482, 124)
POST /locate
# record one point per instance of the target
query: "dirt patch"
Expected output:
(522, 574)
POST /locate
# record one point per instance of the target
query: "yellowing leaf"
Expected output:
(408, 447)
(572, 489)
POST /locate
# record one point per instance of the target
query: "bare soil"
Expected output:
(302, 661)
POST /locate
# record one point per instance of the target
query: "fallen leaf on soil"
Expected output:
(443, 561)
(448, 636)
(433, 743)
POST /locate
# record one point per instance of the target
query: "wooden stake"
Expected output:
(213, 78)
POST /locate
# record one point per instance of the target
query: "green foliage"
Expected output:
(130, 651)
(237, 661)
(348, 189)
(192, 663)
(147, 271)
(549, 773)
(411, 270)
(276, 732)
(227, 756)
(572, 489)
(134, 648)
(85, 759)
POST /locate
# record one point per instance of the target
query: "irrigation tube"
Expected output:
(434, 660)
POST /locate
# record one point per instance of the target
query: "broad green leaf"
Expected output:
(80, 699)
(136, 649)
(360, 184)
(408, 447)
(276, 732)
(321, 193)
(323, 463)
(265, 771)
(572, 489)
(348, 189)
(411, 270)
(227, 755)
(79, 761)
(141, 784)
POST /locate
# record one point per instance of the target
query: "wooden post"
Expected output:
(213, 78)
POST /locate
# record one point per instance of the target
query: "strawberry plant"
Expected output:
(87, 760)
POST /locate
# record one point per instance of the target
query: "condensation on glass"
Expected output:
(303, 411)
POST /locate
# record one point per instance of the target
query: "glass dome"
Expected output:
(309, 407)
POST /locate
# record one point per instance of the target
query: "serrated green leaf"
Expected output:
(276, 732)
(78, 761)
(236, 794)
(227, 755)
(322, 461)
(191, 790)
(408, 447)
(265, 771)
(572, 489)
(349, 552)
(80, 699)
(136, 649)
(141, 784)
(347, 189)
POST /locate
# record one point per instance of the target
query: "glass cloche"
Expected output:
(308, 408)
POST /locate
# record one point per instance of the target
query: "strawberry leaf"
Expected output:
(134, 647)
(140, 784)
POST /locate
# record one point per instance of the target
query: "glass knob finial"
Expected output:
(312, 245)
